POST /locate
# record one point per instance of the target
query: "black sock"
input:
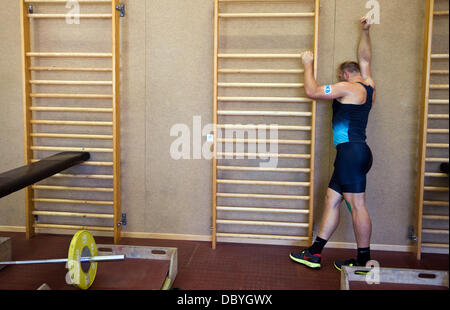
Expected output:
(363, 256)
(317, 246)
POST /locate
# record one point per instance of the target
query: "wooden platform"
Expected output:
(393, 279)
(145, 267)
(228, 267)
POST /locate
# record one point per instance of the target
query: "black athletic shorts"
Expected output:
(353, 162)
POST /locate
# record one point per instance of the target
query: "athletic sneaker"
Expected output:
(351, 263)
(306, 258)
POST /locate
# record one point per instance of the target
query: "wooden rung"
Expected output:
(84, 176)
(440, 13)
(70, 69)
(261, 85)
(435, 189)
(265, 99)
(71, 136)
(262, 196)
(261, 223)
(97, 163)
(74, 214)
(436, 175)
(438, 145)
(264, 155)
(261, 1)
(439, 86)
(74, 227)
(438, 116)
(438, 101)
(72, 201)
(435, 231)
(265, 15)
(435, 245)
(64, 109)
(70, 188)
(265, 141)
(263, 183)
(88, 163)
(264, 127)
(71, 149)
(439, 56)
(259, 236)
(263, 169)
(72, 96)
(437, 131)
(101, 16)
(262, 71)
(70, 55)
(262, 56)
(59, 82)
(71, 123)
(443, 72)
(436, 203)
(435, 217)
(65, 1)
(263, 210)
(436, 160)
(264, 113)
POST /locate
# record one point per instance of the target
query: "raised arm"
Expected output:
(365, 50)
(315, 91)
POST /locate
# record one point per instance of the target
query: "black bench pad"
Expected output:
(19, 178)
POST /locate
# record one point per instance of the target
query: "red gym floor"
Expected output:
(229, 267)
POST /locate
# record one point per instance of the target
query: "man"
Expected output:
(352, 99)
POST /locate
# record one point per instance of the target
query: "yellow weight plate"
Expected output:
(82, 275)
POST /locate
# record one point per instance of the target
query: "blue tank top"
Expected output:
(350, 120)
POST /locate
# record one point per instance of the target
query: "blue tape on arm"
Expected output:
(327, 89)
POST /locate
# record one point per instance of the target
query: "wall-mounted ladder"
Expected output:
(254, 93)
(71, 103)
(432, 185)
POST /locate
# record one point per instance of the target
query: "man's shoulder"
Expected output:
(369, 81)
(344, 84)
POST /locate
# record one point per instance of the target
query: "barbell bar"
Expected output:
(82, 260)
(105, 258)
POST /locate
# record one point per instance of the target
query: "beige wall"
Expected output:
(166, 60)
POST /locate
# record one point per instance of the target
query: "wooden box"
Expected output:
(392, 279)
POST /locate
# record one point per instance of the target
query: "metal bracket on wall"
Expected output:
(121, 9)
(123, 221)
(411, 234)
